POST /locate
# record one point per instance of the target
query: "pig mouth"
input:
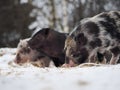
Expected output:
(70, 62)
(21, 61)
(73, 61)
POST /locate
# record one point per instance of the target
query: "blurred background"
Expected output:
(19, 18)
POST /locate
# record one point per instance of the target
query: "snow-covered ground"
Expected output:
(14, 77)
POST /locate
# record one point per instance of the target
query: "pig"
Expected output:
(51, 43)
(94, 39)
(27, 55)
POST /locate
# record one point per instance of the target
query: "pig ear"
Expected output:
(79, 36)
(81, 39)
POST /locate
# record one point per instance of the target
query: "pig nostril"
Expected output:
(16, 61)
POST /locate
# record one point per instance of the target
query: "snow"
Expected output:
(23, 1)
(28, 77)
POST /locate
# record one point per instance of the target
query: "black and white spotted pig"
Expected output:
(27, 55)
(95, 39)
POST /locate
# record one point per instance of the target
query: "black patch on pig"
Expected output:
(92, 28)
(115, 50)
(117, 14)
(81, 39)
(95, 43)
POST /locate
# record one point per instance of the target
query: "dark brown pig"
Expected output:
(51, 43)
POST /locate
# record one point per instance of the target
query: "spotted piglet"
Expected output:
(27, 55)
(95, 39)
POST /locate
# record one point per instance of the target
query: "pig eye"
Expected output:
(21, 52)
(21, 46)
(73, 55)
(76, 55)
